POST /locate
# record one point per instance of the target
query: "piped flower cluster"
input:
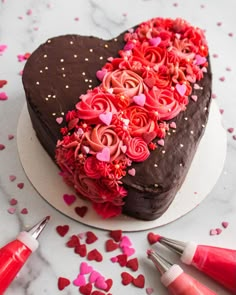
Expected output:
(115, 123)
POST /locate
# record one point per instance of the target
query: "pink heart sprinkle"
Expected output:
(20, 185)
(123, 148)
(2, 147)
(59, 120)
(234, 137)
(149, 291)
(225, 224)
(199, 60)
(79, 281)
(100, 283)
(181, 88)
(125, 242)
(218, 231)
(13, 202)
(221, 111)
(154, 41)
(3, 47)
(128, 251)
(85, 149)
(114, 259)
(161, 142)
(100, 74)
(132, 172)
(12, 177)
(222, 79)
(104, 155)
(85, 268)
(24, 211)
(196, 86)
(213, 232)
(69, 199)
(106, 118)
(3, 96)
(11, 210)
(140, 99)
(194, 97)
(173, 125)
(10, 136)
(20, 57)
(94, 275)
(29, 12)
(230, 130)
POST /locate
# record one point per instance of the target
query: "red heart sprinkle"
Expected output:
(73, 242)
(126, 278)
(20, 185)
(2, 147)
(139, 281)
(116, 235)
(62, 283)
(153, 238)
(62, 230)
(109, 283)
(2, 83)
(81, 211)
(90, 237)
(122, 259)
(96, 292)
(95, 255)
(225, 224)
(81, 250)
(133, 264)
(111, 245)
(13, 202)
(24, 211)
(86, 289)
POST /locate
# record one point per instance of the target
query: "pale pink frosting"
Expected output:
(124, 82)
(95, 103)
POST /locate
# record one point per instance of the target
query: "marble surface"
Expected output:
(24, 24)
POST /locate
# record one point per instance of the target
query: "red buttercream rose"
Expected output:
(95, 103)
(137, 149)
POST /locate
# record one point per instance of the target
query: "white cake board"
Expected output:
(204, 172)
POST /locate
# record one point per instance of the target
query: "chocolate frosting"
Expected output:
(63, 68)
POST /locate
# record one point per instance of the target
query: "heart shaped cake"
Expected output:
(122, 118)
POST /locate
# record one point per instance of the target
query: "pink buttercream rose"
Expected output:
(163, 102)
(104, 136)
(137, 149)
(140, 120)
(95, 103)
(124, 82)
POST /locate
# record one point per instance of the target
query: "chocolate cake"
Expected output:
(122, 118)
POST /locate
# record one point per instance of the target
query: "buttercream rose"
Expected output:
(163, 101)
(104, 136)
(140, 120)
(137, 149)
(95, 103)
(124, 82)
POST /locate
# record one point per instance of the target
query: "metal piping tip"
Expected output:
(36, 230)
(174, 245)
(160, 262)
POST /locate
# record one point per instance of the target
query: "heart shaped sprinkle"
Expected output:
(3, 96)
(59, 120)
(123, 148)
(154, 41)
(62, 283)
(100, 283)
(79, 281)
(114, 259)
(20, 185)
(2, 147)
(62, 230)
(230, 130)
(128, 251)
(218, 231)
(132, 172)
(81, 211)
(81, 250)
(24, 211)
(96, 292)
(133, 264)
(12, 177)
(149, 291)
(85, 149)
(11, 210)
(213, 232)
(94, 276)
(13, 202)
(140, 99)
(100, 74)
(104, 155)
(2, 83)
(90, 237)
(110, 245)
(85, 268)
(125, 242)
(109, 283)
(116, 235)
(106, 118)
(126, 278)
(73, 242)
(10, 136)
(149, 136)
(122, 259)
(69, 199)
(181, 88)
(95, 255)
(153, 238)
(86, 289)
(161, 142)
(194, 97)
(225, 224)
(139, 281)
(173, 125)
(199, 60)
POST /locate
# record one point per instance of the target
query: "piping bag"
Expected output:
(217, 263)
(175, 279)
(14, 255)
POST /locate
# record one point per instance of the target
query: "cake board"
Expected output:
(201, 178)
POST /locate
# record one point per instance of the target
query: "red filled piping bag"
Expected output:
(175, 279)
(217, 263)
(14, 255)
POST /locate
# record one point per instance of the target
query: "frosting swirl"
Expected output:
(137, 149)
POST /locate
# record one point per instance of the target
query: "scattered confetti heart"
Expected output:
(24, 211)
(100, 74)
(122, 259)
(132, 172)
(10, 136)
(94, 276)
(3, 47)
(81, 250)
(128, 251)
(161, 142)
(100, 283)
(95, 255)
(81, 211)
(3, 96)
(69, 199)
(114, 259)
(125, 242)
(73, 242)
(62, 283)
(132, 264)
(218, 231)
(11, 210)
(13, 202)
(2, 83)
(230, 130)
(62, 230)
(225, 224)
(194, 97)
(59, 120)
(109, 283)
(90, 237)
(79, 281)
(12, 177)
(85, 268)
(110, 245)
(213, 232)
(2, 147)
(149, 291)
(20, 185)
(126, 278)
(116, 235)
(86, 289)
(153, 238)
(154, 41)
(173, 125)
(96, 292)
(139, 281)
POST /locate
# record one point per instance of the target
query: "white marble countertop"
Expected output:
(24, 24)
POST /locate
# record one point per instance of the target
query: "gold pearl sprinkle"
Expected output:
(62, 69)
(75, 55)
(67, 86)
(45, 56)
(46, 68)
(37, 83)
(203, 126)
(180, 164)
(86, 59)
(61, 60)
(71, 42)
(173, 131)
(46, 98)
(163, 152)
(90, 81)
(90, 86)
(49, 95)
(181, 145)
(62, 113)
(63, 75)
(86, 80)
(83, 74)
(156, 185)
(40, 71)
(101, 57)
(49, 41)
(54, 96)
(186, 119)
(115, 40)
(106, 46)
(191, 132)
(91, 50)
(54, 114)
(155, 165)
